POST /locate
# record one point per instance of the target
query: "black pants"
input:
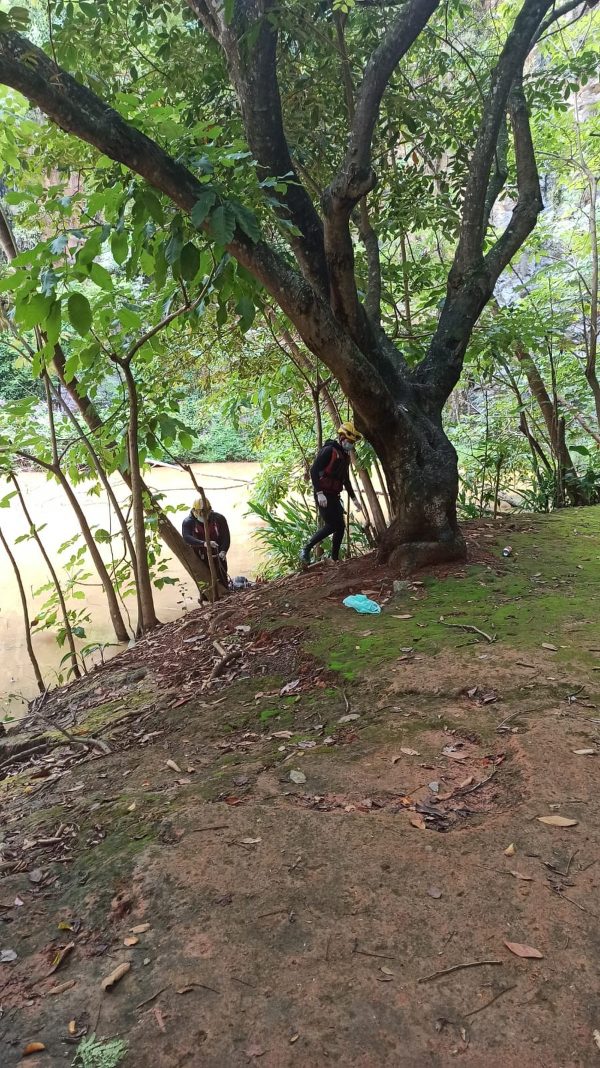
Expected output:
(333, 524)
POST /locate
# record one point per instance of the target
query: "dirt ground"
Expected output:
(319, 830)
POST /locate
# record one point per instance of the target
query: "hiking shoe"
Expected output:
(304, 558)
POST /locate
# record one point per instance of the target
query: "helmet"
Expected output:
(197, 507)
(349, 431)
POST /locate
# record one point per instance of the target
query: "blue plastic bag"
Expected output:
(360, 603)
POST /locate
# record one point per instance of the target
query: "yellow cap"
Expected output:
(349, 431)
(197, 507)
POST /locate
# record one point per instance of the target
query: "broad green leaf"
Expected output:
(129, 319)
(119, 246)
(34, 312)
(222, 224)
(59, 244)
(80, 313)
(190, 261)
(172, 248)
(247, 220)
(202, 207)
(101, 277)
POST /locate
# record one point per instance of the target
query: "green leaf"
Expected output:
(154, 207)
(59, 244)
(222, 224)
(129, 318)
(173, 247)
(202, 207)
(190, 261)
(119, 246)
(247, 220)
(246, 310)
(80, 313)
(34, 311)
(101, 277)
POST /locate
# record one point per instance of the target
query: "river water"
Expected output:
(228, 487)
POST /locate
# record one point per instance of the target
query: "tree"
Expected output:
(314, 281)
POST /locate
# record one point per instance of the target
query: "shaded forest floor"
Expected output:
(305, 815)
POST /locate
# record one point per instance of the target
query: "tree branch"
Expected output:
(355, 177)
(253, 72)
(508, 68)
(529, 201)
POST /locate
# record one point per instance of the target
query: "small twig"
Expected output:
(470, 627)
(243, 982)
(368, 953)
(491, 1001)
(203, 986)
(449, 939)
(223, 662)
(275, 912)
(214, 827)
(456, 968)
(515, 715)
(296, 863)
(151, 998)
(471, 789)
(327, 948)
(559, 893)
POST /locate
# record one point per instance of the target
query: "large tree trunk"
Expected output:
(421, 468)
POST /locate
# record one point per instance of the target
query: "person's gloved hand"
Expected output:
(222, 556)
(214, 545)
(321, 500)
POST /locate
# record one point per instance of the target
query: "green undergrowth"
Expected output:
(546, 592)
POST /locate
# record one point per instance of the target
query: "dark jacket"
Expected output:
(192, 530)
(330, 472)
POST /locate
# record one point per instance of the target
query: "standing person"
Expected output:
(330, 474)
(218, 537)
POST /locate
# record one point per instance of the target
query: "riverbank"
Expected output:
(305, 836)
(229, 487)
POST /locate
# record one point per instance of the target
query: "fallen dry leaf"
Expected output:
(596, 1038)
(518, 875)
(297, 776)
(466, 782)
(60, 988)
(384, 978)
(521, 950)
(585, 752)
(552, 648)
(419, 823)
(72, 1027)
(173, 766)
(115, 976)
(407, 615)
(409, 752)
(33, 1047)
(18, 902)
(456, 756)
(159, 1019)
(7, 955)
(131, 940)
(386, 970)
(131, 807)
(510, 850)
(294, 1038)
(140, 928)
(557, 821)
(60, 957)
(250, 841)
(434, 891)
